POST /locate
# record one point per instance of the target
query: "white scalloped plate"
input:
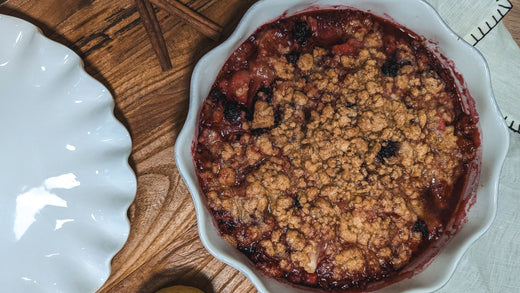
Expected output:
(65, 183)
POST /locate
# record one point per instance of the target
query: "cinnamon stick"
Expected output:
(190, 16)
(153, 29)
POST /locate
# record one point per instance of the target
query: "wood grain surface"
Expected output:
(163, 246)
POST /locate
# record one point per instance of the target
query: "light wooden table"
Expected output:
(163, 247)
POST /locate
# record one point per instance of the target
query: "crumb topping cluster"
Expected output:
(330, 165)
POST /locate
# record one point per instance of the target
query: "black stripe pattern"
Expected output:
(487, 25)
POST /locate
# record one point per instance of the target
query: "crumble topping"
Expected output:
(332, 162)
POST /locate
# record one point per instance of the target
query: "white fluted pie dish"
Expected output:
(418, 16)
(65, 182)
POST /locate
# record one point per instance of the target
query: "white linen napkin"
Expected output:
(492, 264)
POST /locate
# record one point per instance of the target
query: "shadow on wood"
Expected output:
(183, 276)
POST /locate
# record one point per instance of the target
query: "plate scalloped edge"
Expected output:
(65, 213)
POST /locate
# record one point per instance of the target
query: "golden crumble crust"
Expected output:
(340, 163)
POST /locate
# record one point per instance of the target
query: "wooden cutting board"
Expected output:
(163, 246)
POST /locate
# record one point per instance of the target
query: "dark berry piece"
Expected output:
(388, 149)
(278, 116)
(307, 114)
(300, 32)
(232, 111)
(216, 95)
(264, 94)
(249, 115)
(349, 105)
(249, 251)
(228, 226)
(405, 62)
(390, 68)
(420, 226)
(259, 131)
(292, 57)
(297, 203)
